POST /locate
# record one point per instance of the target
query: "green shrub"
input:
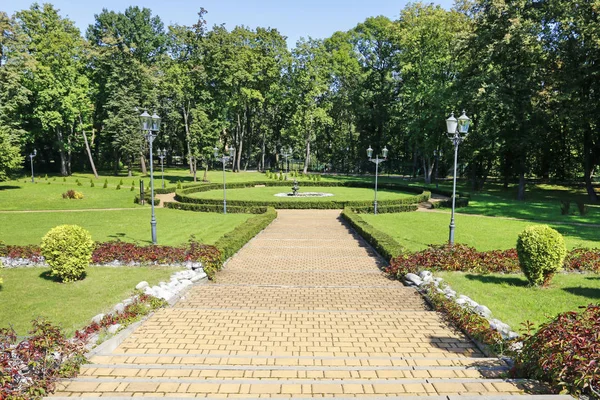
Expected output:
(132, 188)
(178, 184)
(92, 183)
(542, 252)
(217, 208)
(385, 245)
(105, 184)
(64, 178)
(119, 186)
(46, 177)
(121, 182)
(231, 242)
(68, 251)
(72, 194)
(78, 183)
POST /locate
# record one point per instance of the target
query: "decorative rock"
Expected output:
(197, 278)
(413, 278)
(426, 276)
(119, 307)
(185, 283)
(483, 311)
(142, 285)
(149, 291)
(513, 335)
(113, 328)
(201, 274)
(127, 302)
(98, 318)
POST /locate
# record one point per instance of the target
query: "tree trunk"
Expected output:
(588, 167)
(130, 167)
(238, 154)
(522, 182)
(87, 148)
(307, 158)
(143, 164)
(62, 153)
(427, 169)
(116, 166)
(195, 168)
(205, 177)
(186, 114)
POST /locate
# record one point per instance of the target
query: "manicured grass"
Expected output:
(17, 195)
(174, 227)
(513, 302)
(417, 230)
(268, 194)
(28, 293)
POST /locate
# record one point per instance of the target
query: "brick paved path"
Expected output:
(302, 311)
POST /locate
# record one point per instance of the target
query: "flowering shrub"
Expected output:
(72, 194)
(30, 368)
(464, 258)
(565, 352)
(459, 257)
(583, 260)
(108, 252)
(30, 252)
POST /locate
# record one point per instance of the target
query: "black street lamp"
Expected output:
(457, 131)
(224, 160)
(286, 154)
(150, 125)
(377, 161)
(162, 154)
(31, 156)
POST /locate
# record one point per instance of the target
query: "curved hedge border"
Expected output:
(218, 208)
(181, 197)
(385, 245)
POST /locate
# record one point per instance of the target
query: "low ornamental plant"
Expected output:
(29, 369)
(473, 324)
(68, 251)
(542, 252)
(565, 352)
(459, 257)
(72, 194)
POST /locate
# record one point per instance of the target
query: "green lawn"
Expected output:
(28, 293)
(174, 227)
(417, 230)
(513, 302)
(268, 194)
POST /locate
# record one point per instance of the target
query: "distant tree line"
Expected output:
(526, 71)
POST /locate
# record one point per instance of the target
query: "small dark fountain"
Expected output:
(295, 188)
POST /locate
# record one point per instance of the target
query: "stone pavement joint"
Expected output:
(303, 310)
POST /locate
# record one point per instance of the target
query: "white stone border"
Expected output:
(426, 277)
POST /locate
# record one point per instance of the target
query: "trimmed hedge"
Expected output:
(385, 245)
(136, 200)
(460, 202)
(385, 209)
(542, 252)
(216, 208)
(231, 242)
(181, 197)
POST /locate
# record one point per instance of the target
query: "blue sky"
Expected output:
(294, 19)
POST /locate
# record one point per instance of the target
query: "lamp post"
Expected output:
(377, 161)
(224, 160)
(286, 154)
(150, 125)
(457, 131)
(31, 156)
(162, 154)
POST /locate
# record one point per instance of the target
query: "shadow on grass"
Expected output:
(498, 280)
(47, 275)
(590, 293)
(9, 187)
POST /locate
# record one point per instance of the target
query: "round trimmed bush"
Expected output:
(542, 252)
(68, 251)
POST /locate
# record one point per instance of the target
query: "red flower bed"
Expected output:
(565, 352)
(464, 258)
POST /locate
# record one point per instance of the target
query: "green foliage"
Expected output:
(179, 185)
(564, 352)
(92, 183)
(121, 182)
(105, 184)
(231, 242)
(385, 245)
(64, 179)
(217, 208)
(72, 194)
(78, 183)
(68, 251)
(542, 252)
(119, 187)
